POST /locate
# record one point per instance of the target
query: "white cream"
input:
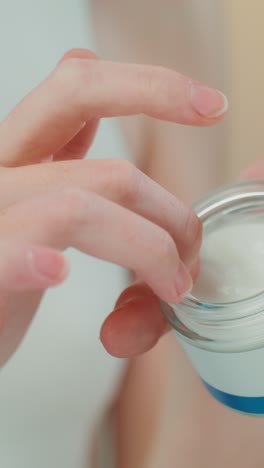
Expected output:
(232, 263)
(224, 339)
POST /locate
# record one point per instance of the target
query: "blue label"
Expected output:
(249, 405)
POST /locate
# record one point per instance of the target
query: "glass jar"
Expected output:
(225, 340)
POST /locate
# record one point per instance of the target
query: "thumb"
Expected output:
(136, 324)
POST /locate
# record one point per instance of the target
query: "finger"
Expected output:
(255, 171)
(136, 324)
(27, 267)
(79, 145)
(80, 90)
(25, 272)
(78, 53)
(103, 229)
(118, 181)
(194, 269)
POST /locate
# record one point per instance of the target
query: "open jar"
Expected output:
(221, 324)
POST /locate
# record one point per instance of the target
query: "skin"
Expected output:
(30, 250)
(108, 209)
(165, 418)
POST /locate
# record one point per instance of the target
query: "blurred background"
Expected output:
(51, 391)
(68, 374)
(244, 22)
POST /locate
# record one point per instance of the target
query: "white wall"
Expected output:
(52, 389)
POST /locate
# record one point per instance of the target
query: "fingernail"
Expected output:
(194, 269)
(183, 281)
(207, 101)
(127, 300)
(48, 264)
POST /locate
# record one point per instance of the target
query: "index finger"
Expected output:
(82, 89)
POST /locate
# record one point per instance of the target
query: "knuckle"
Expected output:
(70, 69)
(71, 76)
(79, 53)
(125, 180)
(72, 203)
(152, 82)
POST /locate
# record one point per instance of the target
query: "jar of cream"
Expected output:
(221, 324)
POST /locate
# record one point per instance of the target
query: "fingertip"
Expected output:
(208, 102)
(136, 290)
(49, 267)
(134, 328)
(122, 344)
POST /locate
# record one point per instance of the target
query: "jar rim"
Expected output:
(228, 194)
(214, 322)
(215, 201)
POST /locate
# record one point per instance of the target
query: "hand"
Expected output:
(104, 208)
(139, 304)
